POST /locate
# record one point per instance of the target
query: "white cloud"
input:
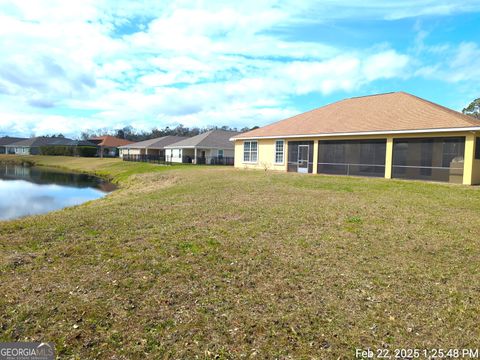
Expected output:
(385, 65)
(455, 64)
(465, 65)
(161, 63)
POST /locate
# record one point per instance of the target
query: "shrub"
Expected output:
(57, 150)
(86, 151)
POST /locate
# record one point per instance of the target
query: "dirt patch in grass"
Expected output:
(221, 263)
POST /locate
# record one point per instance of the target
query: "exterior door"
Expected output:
(303, 151)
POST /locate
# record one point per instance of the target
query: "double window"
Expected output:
(279, 151)
(250, 151)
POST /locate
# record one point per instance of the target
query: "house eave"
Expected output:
(361, 133)
(196, 146)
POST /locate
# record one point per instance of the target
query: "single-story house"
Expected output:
(33, 146)
(211, 147)
(109, 145)
(7, 140)
(392, 135)
(151, 147)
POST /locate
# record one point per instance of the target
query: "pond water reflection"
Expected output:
(33, 190)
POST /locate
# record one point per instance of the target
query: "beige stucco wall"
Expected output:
(266, 156)
(476, 172)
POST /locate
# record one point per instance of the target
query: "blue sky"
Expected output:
(71, 66)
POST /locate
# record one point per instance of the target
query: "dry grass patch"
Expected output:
(213, 262)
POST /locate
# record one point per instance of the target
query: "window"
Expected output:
(352, 157)
(220, 153)
(279, 153)
(250, 151)
(477, 149)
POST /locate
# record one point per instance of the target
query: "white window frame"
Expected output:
(250, 152)
(222, 154)
(275, 152)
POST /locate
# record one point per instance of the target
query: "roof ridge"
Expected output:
(371, 95)
(444, 108)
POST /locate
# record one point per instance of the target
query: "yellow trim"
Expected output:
(315, 157)
(469, 159)
(389, 158)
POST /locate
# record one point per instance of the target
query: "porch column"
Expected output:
(389, 158)
(195, 154)
(315, 156)
(285, 154)
(469, 159)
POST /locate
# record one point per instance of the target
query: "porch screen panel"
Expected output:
(352, 157)
(292, 160)
(435, 159)
(477, 148)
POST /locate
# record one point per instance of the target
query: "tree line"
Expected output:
(473, 109)
(130, 133)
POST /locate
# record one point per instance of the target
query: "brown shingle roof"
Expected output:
(50, 141)
(7, 140)
(156, 143)
(213, 139)
(109, 141)
(389, 112)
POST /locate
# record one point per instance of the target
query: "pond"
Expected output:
(30, 190)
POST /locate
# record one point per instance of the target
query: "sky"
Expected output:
(72, 66)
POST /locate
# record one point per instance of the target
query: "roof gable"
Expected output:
(157, 143)
(214, 139)
(388, 112)
(7, 140)
(50, 141)
(109, 141)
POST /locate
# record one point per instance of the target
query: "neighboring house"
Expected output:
(393, 135)
(109, 145)
(211, 147)
(7, 140)
(153, 147)
(33, 146)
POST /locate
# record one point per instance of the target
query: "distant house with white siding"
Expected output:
(33, 146)
(7, 140)
(212, 147)
(152, 147)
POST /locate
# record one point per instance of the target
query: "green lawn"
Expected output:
(215, 262)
